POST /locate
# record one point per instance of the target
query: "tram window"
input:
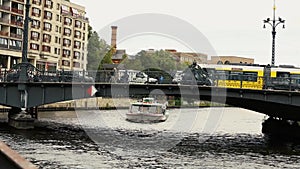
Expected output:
(235, 75)
(283, 74)
(221, 74)
(295, 78)
(250, 76)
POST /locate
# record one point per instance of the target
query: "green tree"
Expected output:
(106, 58)
(98, 52)
(161, 59)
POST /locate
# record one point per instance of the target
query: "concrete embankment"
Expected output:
(10, 159)
(108, 103)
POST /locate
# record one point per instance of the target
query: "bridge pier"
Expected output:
(285, 129)
(20, 119)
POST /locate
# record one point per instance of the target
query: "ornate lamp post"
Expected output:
(24, 65)
(274, 23)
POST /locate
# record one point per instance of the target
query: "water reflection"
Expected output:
(60, 142)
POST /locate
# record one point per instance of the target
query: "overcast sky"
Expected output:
(232, 27)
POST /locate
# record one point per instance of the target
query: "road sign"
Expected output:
(92, 90)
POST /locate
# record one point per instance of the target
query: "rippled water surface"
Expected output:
(190, 138)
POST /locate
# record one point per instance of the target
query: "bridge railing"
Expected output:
(127, 76)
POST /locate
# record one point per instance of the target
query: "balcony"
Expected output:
(48, 17)
(47, 40)
(47, 29)
(78, 26)
(15, 10)
(15, 47)
(66, 55)
(76, 64)
(36, 2)
(3, 33)
(67, 34)
(4, 20)
(65, 63)
(68, 23)
(35, 38)
(48, 6)
(77, 46)
(78, 36)
(13, 35)
(20, 1)
(3, 46)
(66, 44)
(35, 26)
(36, 14)
(46, 49)
(16, 23)
(5, 8)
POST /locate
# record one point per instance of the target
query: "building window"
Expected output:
(35, 35)
(66, 63)
(76, 64)
(77, 55)
(46, 48)
(68, 21)
(48, 4)
(78, 24)
(77, 34)
(66, 53)
(67, 31)
(3, 42)
(47, 38)
(57, 17)
(47, 26)
(57, 6)
(67, 42)
(65, 9)
(48, 15)
(14, 44)
(83, 36)
(35, 24)
(36, 2)
(36, 12)
(75, 12)
(34, 46)
(77, 44)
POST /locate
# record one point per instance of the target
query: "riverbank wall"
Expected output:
(116, 103)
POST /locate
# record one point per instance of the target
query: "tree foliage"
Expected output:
(160, 59)
(99, 52)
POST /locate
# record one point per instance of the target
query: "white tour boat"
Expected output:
(149, 110)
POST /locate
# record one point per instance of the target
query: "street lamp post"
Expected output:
(274, 23)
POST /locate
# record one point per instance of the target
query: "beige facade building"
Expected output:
(230, 59)
(57, 37)
(188, 57)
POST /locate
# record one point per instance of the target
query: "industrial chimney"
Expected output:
(114, 37)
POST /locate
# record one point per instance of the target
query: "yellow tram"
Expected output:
(253, 77)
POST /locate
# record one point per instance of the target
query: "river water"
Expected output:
(190, 138)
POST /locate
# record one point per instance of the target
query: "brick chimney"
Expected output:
(114, 36)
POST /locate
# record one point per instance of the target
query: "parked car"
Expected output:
(142, 77)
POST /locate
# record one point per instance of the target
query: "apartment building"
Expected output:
(57, 37)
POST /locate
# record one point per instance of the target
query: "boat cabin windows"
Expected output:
(145, 109)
